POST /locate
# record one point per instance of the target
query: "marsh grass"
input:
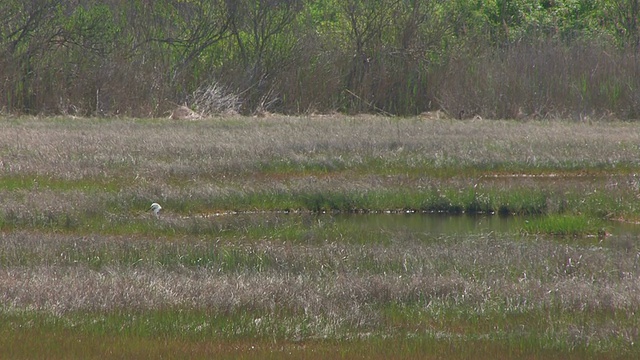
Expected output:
(509, 293)
(565, 225)
(240, 264)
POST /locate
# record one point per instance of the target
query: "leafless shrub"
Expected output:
(214, 99)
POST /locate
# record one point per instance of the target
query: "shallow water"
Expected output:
(431, 224)
(446, 224)
(435, 224)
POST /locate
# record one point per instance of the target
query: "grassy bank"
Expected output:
(89, 170)
(242, 264)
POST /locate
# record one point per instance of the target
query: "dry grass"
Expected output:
(113, 168)
(164, 159)
(156, 150)
(80, 250)
(61, 274)
(336, 289)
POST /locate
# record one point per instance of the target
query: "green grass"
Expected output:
(410, 331)
(565, 225)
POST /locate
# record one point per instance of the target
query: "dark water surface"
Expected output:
(446, 224)
(431, 224)
(435, 224)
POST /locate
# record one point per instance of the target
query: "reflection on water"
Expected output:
(435, 224)
(445, 224)
(423, 223)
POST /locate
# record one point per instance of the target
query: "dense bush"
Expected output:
(497, 59)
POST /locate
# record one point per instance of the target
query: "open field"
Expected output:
(243, 263)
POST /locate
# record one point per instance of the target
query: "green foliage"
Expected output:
(385, 56)
(93, 30)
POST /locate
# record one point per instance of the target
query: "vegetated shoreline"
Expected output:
(81, 258)
(331, 163)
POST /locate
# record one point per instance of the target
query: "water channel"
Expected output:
(436, 224)
(446, 224)
(431, 224)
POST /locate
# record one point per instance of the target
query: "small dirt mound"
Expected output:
(184, 113)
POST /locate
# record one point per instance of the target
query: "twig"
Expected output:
(368, 103)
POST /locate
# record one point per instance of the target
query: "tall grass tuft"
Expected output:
(565, 225)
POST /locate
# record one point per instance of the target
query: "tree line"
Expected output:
(495, 59)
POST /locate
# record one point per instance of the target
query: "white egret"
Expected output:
(155, 207)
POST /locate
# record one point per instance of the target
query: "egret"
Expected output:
(155, 207)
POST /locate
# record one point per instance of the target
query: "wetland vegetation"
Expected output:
(249, 258)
